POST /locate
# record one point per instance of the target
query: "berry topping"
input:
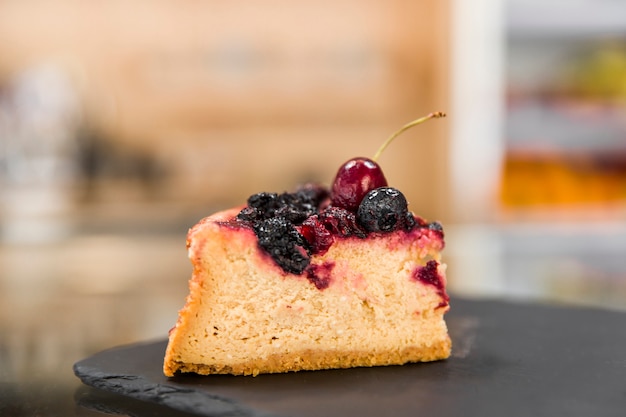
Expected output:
(292, 226)
(409, 221)
(384, 209)
(280, 239)
(359, 176)
(341, 222)
(262, 201)
(318, 237)
(314, 193)
(295, 207)
(436, 226)
(354, 179)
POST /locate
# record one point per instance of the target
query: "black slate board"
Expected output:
(508, 359)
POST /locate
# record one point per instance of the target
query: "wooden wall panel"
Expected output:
(235, 96)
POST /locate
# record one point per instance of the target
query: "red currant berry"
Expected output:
(318, 237)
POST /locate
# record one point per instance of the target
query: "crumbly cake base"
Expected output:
(245, 316)
(318, 360)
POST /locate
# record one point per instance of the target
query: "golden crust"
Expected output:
(317, 360)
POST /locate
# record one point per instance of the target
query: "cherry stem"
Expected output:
(435, 115)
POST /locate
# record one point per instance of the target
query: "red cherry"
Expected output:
(359, 176)
(354, 180)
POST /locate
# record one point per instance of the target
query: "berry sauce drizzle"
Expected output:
(320, 275)
(429, 274)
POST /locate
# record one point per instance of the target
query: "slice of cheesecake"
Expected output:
(290, 282)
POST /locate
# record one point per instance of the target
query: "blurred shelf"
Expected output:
(565, 118)
(563, 262)
(566, 125)
(582, 19)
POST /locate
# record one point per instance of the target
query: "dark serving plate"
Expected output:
(509, 359)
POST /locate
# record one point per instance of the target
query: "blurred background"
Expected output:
(123, 123)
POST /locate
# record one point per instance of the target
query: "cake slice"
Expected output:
(366, 299)
(314, 279)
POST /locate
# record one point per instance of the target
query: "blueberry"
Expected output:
(383, 209)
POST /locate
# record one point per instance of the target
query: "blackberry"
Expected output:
(313, 193)
(409, 221)
(295, 207)
(260, 207)
(273, 218)
(262, 201)
(249, 214)
(436, 226)
(279, 239)
(383, 210)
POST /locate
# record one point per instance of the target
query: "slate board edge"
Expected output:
(174, 397)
